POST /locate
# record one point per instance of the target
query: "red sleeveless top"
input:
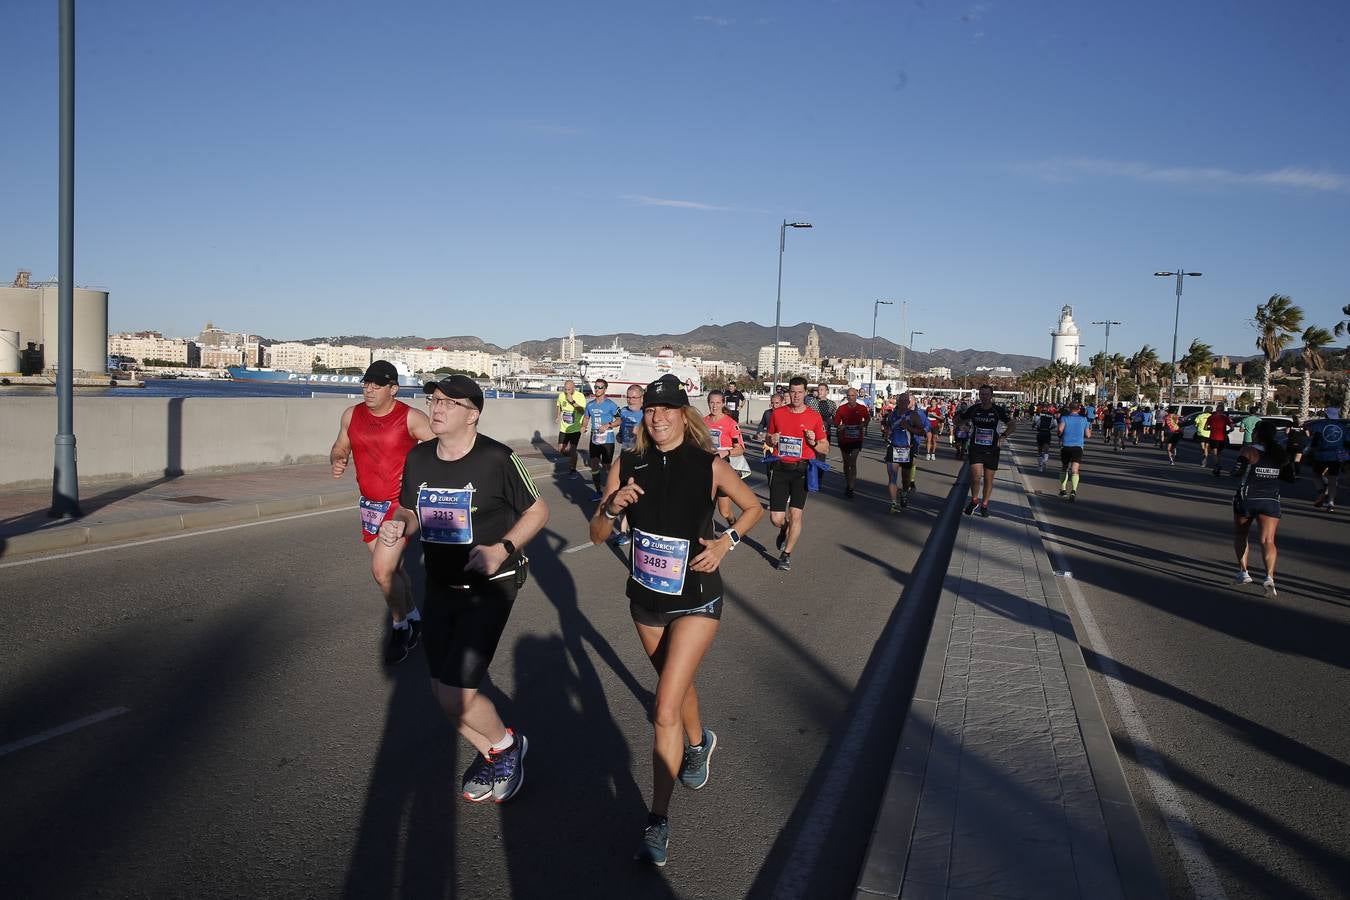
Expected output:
(380, 444)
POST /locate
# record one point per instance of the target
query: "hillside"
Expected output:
(737, 342)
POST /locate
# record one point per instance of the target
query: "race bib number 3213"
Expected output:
(446, 515)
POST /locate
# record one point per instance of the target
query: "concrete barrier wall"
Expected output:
(134, 438)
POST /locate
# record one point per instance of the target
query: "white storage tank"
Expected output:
(9, 352)
(90, 328)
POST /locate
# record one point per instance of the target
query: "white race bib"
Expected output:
(446, 515)
(984, 437)
(853, 432)
(789, 446)
(659, 562)
(372, 514)
(902, 453)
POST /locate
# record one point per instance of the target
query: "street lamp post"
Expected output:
(65, 480)
(911, 347)
(778, 309)
(1106, 352)
(1180, 274)
(872, 363)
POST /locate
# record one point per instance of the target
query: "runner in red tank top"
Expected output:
(377, 435)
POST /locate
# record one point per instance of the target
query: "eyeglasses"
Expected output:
(434, 402)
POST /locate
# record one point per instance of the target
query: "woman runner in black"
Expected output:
(1258, 500)
(670, 484)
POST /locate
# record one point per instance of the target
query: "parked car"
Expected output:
(1235, 429)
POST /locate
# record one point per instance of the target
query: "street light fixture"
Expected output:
(778, 310)
(1180, 274)
(1106, 353)
(872, 363)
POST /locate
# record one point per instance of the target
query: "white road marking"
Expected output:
(173, 537)
(62, 729)
(579, 547)
(1199, 868)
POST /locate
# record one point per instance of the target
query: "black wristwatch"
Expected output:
(510, 547)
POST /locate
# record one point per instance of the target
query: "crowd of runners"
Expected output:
(663, 473)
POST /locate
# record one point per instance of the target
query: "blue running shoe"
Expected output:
(508, 768)
(694, 774)
(622, 539)
(655, 840)
(477, 784)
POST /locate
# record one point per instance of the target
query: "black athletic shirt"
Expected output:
(1045, 426)
(676, 503)
(487, 491)
(1261, 481)
(984, 422)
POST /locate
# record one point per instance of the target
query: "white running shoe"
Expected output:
(1269, 585)
(1243, 577)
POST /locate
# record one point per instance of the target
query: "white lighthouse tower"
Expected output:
(1064, 343)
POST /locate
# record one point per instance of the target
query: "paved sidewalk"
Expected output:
(1006, 782)
(126, 511)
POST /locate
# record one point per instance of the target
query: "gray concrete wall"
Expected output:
(134, 438)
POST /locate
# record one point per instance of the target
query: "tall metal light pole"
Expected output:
(1106, 352)
(1181, 275)
(911, 346)
(65, 481)
(872, 363)
(778, 310)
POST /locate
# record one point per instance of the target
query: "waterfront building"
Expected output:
(789, 359)
(939, 372)
(144, 345)
(215, 357)
(297, 357)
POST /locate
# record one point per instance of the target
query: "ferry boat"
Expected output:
(621, 368)
(406, 378)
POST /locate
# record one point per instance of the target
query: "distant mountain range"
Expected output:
(735, 342)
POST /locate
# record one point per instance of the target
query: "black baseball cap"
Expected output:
(459, 387)
(665, 391)
(381, 372)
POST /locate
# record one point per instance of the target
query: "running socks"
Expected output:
(505, 742)
(1073, 483)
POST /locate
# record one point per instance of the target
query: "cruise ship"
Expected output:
(620, 368)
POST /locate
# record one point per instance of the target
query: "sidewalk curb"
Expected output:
(883, 867)
(75, 536)
(1139, 873)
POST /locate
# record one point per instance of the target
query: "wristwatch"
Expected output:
(510, 547)
(735, 537)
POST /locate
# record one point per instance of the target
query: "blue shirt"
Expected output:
(1075, 429)
(900, 436)
(630, 420)
(602, 413)
(1328, 439)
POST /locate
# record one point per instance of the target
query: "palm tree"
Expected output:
(1315, 337)
(1116, 364)
(1342, 328)
(1198, 361)
(1143, 363)
(1276, 322)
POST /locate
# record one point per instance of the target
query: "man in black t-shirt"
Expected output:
(734, 400)
(473, 505)
(985, 418)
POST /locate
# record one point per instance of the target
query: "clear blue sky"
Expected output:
(508, 170)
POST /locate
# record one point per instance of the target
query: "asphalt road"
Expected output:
(1245, 698)
(253, 744)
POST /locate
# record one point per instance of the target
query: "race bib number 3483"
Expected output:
(446, 515)
(659, 562)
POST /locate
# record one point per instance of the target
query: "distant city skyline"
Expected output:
(509, 173)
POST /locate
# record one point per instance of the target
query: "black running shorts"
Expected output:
(985, 456)
(566, 438)
(1256, 506)
(1331, 468)
(461, 628)
(788, 487)
(659, 617)
(602, 452)
(1070, 455)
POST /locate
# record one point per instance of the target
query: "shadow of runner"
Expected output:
(405, 841)
(572, 831)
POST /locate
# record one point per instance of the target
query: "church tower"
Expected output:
(812, 354)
